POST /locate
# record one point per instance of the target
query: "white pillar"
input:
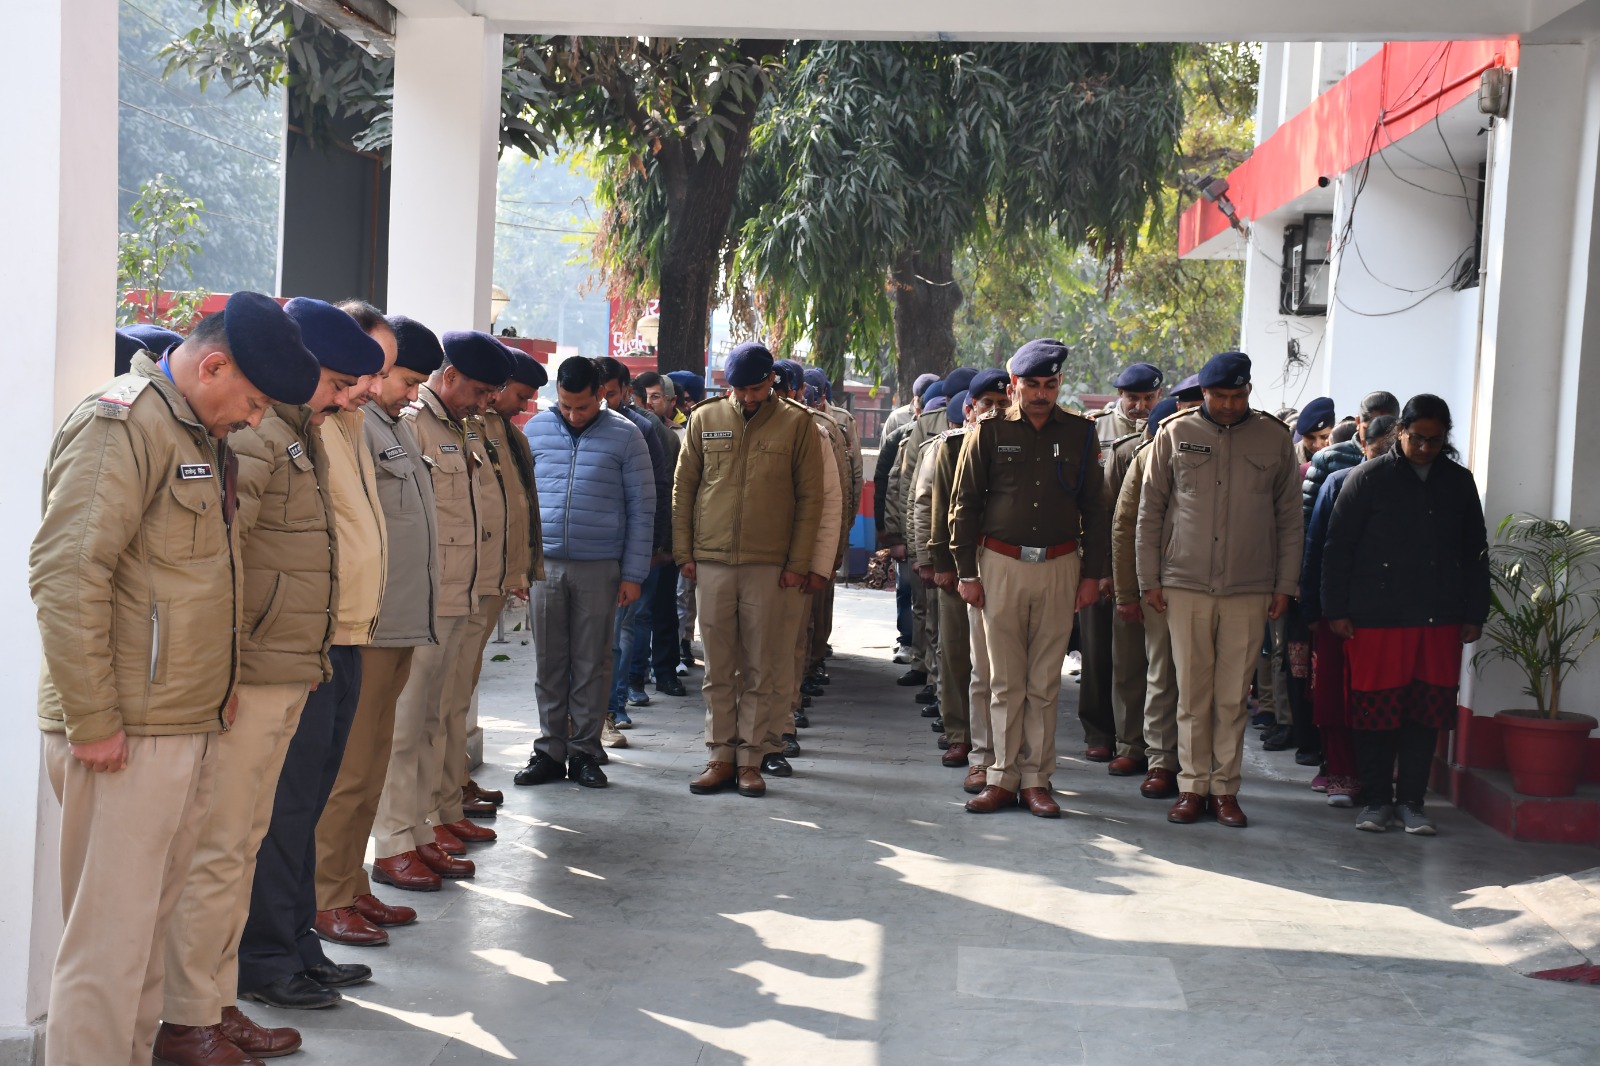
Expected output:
(58, 290)
(442, 192)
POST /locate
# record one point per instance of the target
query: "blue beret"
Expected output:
(142, 337)
(820, 380)
(526, 369)
(689, 383)
(420, 350)
(931, 393)
(1227, 370)
(1318, 414)
(811, 394)
(1140, 377)
(922, 382)
(1188, 388)
(990, 380)
(747, 365)
(959, 380)
(478, 356)
(1165, 409)
(267, 345)
(1038, 359)
(955, 411)
(337, 340)
(935, 404)
(791, 376)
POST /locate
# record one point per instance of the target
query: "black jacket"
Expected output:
(1402, 551)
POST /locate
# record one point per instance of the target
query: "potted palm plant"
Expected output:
(1544, 614)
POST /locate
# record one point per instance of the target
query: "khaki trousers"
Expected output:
(955, 667)
(930, 593)
(922, 655)
(460, 683)
(203, 944)
(790, 653)
(1095, 708)
(1216, 641)
(126, 842)
(1160, 693)
(1129, 665)
(740, 626)
(821, 627)
(346, 821)
(978, 696)
(1027, 620)
(415, 761)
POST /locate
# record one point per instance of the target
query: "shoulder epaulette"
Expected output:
(1174, 416)
(1127, 437)
(1103, 413)
(117, 401)
(1287, 428)
(953, 431)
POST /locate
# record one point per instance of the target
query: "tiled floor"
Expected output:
(858, 915)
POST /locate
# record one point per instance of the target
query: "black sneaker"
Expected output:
(801, 720)
(671, 687)
(927, 694)
(586, 772)
(777, 766)
(791, 746)
(540, 769)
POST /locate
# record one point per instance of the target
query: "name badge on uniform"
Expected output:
(1011, 448)
(494, 442)
(295, 450)
(397, 452)
(449, 449)
(194, 471)
(1185, 446)
(471, 435)
(716, 434)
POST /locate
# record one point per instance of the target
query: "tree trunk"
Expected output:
(926, 297)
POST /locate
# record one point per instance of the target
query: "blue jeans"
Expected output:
(902, 601)
(622, 632)
(639, 646)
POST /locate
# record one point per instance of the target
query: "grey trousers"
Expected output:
(574, 611)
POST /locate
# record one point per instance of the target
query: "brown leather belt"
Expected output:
(1025, 554)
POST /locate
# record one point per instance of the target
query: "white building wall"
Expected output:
(1267, 332)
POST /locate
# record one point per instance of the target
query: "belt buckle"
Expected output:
(1031, 555)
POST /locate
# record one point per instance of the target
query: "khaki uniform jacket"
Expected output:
(897, 418)
(490, 499)
(748, 491)
(852, 448)
(919, 545)
(443, 447)
(288, 554)
(897, 523)
(513, 460)
(944, 480)
(358, 528)
(132, 570)
(405, 491)
(1031, 488)
(835, 452)
(826, 557)
(1220, 508)
(1124, 524)
(1111, 424)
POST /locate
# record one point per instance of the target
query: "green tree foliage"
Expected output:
(154, 257)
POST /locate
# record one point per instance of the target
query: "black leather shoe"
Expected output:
(1308, 758)
(802, 720)
(671, 687)
(930, 710)
(540, 768)
(777, 766)
(298, 992)
(338, 974)
(791, 746)
(927, 694)
(811, 688)
(820, 676)
(937, 725)
(586, 772)
(912, 678)
(805, 701)
(1278, 739)
(944, 745)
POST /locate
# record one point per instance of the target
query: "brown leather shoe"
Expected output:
(1128, 766)
(714, 778)
(199, 1045)
(1188, 809)
(445, 865)
(977, 777)
(378, 912)
(956, 755)
(447, 841)
(993, 798)
(258, 1040)
(750, 781)
(1159, 784)
(478, 809)
(487, 795)
(1040, 805)
(345, 925)
(468, 833)
(1228, 812)
(1098, 753)
(407, 871)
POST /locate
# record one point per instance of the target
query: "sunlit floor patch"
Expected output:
(853, 948)
(516, 898)
(462, 1027)
(774, 1042)
(518, 965)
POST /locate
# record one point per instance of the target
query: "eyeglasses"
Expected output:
(1425, 442)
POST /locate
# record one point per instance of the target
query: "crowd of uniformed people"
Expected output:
(273, 553)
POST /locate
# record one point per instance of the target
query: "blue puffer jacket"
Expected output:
(597, 497)
(1342, 456)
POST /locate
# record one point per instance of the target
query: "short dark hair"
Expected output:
(1382, 426)
(1345, 430)
(367, 316)
(578, 375)
(612, 370)
(644, 383)
(1379, 403)
(212, 332)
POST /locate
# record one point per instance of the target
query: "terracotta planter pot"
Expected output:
(1545, 755)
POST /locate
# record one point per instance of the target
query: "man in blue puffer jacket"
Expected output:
(597, 503)
(1346, 455)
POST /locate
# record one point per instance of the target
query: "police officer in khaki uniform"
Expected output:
(746, 504)
(407, 849)
(1029, 487)
(132, 573)
(849, 442)
(955, 661)
(1138, 388)
(1219, 542)
(1159, 713)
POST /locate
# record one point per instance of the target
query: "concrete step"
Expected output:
(1548, 923)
